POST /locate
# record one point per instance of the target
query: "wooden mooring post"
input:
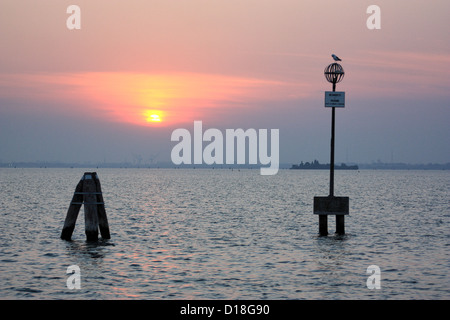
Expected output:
(88, 192)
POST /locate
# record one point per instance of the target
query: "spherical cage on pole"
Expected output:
(334, 73)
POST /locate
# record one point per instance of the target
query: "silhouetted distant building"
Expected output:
(316, 165)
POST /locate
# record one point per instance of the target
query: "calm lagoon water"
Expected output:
(227, 234)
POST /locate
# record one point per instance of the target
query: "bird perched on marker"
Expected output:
(336, 58)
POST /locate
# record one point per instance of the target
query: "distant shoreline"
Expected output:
(169, 165)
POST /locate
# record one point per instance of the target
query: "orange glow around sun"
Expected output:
(168, 99)
(151, 99)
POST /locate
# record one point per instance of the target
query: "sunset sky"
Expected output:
(138, 69)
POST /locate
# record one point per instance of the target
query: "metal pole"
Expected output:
(332, 148)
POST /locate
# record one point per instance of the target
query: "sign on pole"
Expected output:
(335, 99)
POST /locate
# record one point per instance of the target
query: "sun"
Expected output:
(153, 116)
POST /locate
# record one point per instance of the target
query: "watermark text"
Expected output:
(235, 147)
(74, 280)
(374, 280)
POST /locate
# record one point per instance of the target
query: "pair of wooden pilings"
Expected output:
(88, 192)
(331, 205)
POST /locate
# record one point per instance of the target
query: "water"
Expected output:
(223, 234)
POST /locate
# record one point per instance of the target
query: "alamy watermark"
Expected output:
(235, 147)
(374, 20)
(73, 22)
(374, 280)
(74, 280)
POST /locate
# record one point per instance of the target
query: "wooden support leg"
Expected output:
(72, 212)
(102, 218)
(340, 224)
(90, 207)
(323, 225)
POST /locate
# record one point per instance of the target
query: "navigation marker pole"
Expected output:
(331, 205)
